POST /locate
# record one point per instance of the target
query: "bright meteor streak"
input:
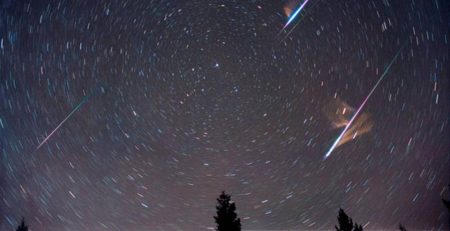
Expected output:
(293, 16)
(84, 100)
(361, 107)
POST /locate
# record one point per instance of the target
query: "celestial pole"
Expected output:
(361, 107)
(84, 100)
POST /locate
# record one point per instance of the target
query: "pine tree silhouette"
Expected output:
(446, 203)
(346, 223)
(22, 226)
(226, 218)
(401, 227)
(357, 227)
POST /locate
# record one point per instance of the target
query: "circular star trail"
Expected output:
(135, 115)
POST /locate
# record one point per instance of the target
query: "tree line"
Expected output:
(227, 219)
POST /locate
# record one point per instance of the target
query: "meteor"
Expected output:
(84, 100)
(294, 15)
(362, 105)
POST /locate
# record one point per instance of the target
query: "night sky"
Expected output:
(135, 115)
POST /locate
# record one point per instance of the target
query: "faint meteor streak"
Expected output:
(84, 100)
(362, 105)
(294, 15)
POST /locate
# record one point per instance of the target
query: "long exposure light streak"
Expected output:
(386, 70)
(83, 101)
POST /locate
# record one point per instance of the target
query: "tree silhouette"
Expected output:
(401, 227)
(22, 226)
(447, 204)
(226, 218)
(346, 223)
(357, 227)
